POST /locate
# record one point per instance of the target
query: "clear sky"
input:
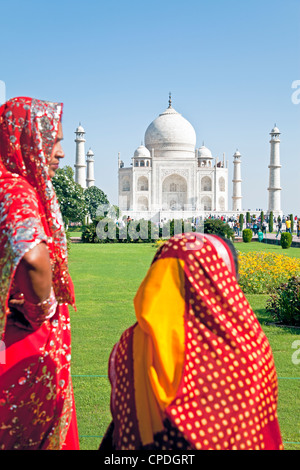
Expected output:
(229, 64)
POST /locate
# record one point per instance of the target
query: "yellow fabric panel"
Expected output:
(149, 414)
(159, 343)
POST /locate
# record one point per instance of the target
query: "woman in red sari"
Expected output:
(37, 408)
(196, 371)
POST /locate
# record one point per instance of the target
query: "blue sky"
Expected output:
(229, 64)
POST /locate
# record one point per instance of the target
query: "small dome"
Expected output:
(204, 152)
(237, 154)
(90, 153)
(80, 129)
(142, 152)
(275, 130)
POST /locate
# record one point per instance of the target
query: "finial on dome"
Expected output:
(170, 100)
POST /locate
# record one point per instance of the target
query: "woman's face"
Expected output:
(57, 153)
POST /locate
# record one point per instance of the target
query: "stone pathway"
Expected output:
(271, 238)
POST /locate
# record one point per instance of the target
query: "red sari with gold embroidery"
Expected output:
(196, 371)
(37, 408)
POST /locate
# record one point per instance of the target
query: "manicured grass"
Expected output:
(106, 278)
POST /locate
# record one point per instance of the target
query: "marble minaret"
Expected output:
(237, 183)
(80, 165)
(274, 188)
(90, 178)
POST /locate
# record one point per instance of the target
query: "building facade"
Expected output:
(169, 175)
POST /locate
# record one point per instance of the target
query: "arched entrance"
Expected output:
(174, 192)
(206, 203)
(221, 204)
(143, 203)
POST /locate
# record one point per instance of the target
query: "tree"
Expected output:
(262, 218)
(241, 221)
(70, 196)
(271, 221)
(95, 197)
(292, 222)
(218, 227)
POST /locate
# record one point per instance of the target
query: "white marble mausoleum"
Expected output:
(169, 174)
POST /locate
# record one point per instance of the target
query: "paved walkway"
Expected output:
(271, 238)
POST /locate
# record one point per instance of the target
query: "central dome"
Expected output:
(170, 131)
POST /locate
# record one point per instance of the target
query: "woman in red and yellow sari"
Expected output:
(36, 396)
(196, 371)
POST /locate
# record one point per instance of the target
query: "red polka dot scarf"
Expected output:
(196, 371)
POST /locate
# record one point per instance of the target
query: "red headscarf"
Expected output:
(29, 211)
(37, 408)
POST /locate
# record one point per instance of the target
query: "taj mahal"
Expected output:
(170, 178)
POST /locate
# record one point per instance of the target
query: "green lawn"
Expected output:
(106, 278)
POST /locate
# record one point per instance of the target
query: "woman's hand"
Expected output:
(17, 302)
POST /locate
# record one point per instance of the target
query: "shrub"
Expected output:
(89, 234)
(284, 304)
(106, 230)
(218, 227)
(247, 235)
(69, 243)
(173, 227)
(141, 231)
(286, 240)
(147, 231)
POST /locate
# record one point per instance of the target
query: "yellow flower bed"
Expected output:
(261, 272)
